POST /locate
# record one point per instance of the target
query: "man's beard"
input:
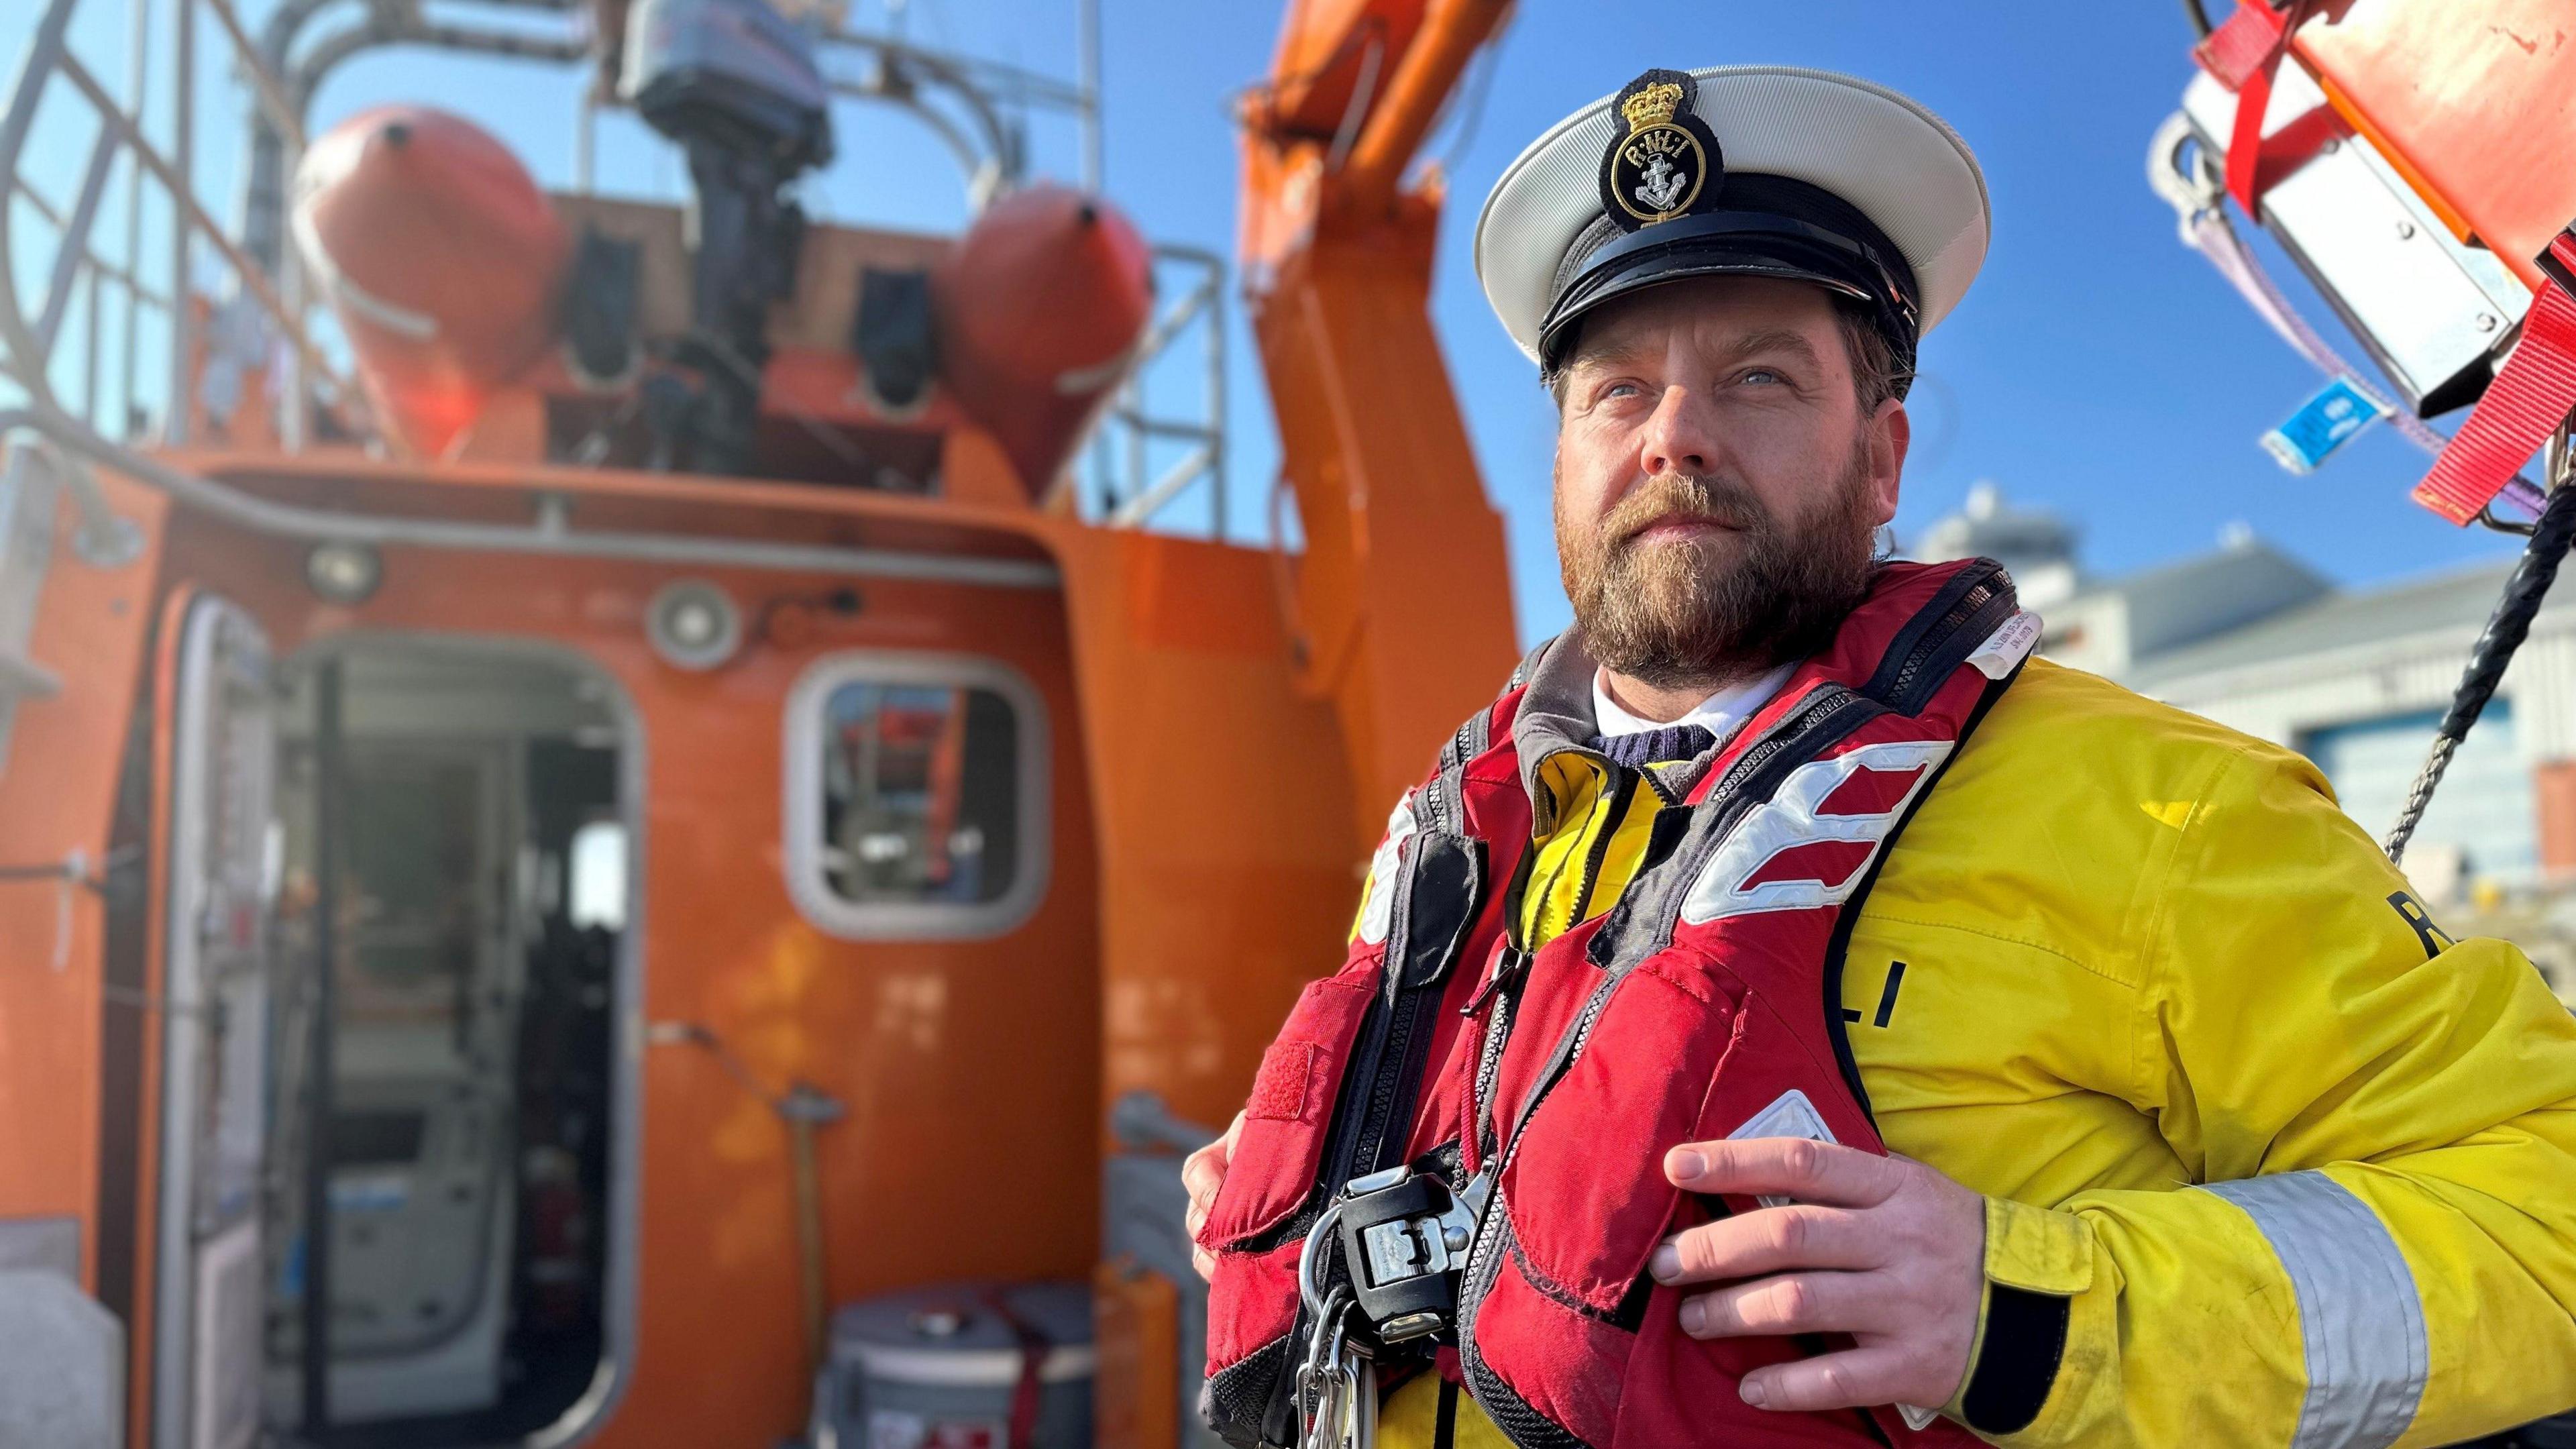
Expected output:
(1675, 612)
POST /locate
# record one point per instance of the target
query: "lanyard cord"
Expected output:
(2506, 628)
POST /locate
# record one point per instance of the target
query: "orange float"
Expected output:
(1041, 307)
(440, 257)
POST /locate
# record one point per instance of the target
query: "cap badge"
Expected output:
(1665, 163)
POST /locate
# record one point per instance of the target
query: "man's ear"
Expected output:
(1887, 434)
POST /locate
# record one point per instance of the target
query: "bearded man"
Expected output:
(1792, 1015)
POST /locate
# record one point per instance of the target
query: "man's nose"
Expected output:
(1677, 436)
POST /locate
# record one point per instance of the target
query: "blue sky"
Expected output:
(2097, 367)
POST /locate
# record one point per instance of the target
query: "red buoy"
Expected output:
(440, 257)
(1041, 307)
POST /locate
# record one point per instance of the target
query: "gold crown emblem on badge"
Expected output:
(1652, 106)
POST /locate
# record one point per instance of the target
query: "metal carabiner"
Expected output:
(1320, 1391)
(1310, 1291)
(1363, 1411)
(1319, 1419)
(1346, 1411)
(1336, 1385)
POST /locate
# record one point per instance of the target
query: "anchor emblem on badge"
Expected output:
(1663, 158)
(1663, 184)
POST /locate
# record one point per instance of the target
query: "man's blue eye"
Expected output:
(1617, 388)
(1760, 374)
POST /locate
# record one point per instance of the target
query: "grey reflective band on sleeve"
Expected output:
(2359, 1316)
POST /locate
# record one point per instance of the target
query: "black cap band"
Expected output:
(1770, 226)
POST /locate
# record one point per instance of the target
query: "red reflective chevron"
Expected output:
(1870, 792)
(1828, 863)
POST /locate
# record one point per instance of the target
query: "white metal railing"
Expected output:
(1127, 486)
(158, 167)
(117, 333)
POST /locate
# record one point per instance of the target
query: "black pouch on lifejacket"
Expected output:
(1363, 1040)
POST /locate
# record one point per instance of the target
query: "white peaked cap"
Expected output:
(1882, 153)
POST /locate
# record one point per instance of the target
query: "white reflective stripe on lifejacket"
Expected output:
(1377, 900)
(1791, 819)
(2360, 1318)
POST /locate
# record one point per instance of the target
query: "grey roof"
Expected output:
(2190, 575)
(2455, 601)
(2177, 605)
(2007, 531)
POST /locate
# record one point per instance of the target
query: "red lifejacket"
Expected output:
(1704, 1004)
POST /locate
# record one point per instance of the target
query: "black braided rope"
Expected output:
(2506, 628)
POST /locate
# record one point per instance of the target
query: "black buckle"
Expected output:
(2556, 266)
(1404, 1238)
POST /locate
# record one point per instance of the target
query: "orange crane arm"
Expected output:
(1403, 600)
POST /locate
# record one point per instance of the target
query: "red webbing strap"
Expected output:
(2244, 55)
(2529, 398)
(1030, 1386)
(2241, 45)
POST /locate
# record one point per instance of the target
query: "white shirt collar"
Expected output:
(1719, 714)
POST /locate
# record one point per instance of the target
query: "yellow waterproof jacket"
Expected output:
(2303, 1165)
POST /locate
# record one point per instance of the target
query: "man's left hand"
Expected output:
(1883, 1249)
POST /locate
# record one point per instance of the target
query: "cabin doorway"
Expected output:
(448, 1100)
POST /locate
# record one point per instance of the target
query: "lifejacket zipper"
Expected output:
(1391, 1019)
(1824, 705)
(1808, 717)
(1479, 1249)
(1622, 795)
(1501, 988)
(1939, 634)
(1369, 1145)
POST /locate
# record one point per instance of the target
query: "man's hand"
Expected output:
(1203, 1172)
(1881, 1248)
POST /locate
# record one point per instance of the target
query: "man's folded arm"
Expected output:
(2382, 1121)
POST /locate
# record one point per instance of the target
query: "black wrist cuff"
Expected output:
(2017, 1364)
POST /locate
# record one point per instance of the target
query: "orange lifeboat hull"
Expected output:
(1042, 305)
(441, 258)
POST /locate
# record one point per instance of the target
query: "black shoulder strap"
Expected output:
(1443, 799)
(1440, 888)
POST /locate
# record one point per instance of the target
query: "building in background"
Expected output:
(2356, 679)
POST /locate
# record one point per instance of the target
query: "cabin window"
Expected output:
(916, 792)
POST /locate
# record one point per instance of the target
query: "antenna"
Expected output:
(1087, 76)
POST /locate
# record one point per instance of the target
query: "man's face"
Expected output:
(1718, 487)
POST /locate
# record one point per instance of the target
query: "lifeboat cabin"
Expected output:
(610, 855)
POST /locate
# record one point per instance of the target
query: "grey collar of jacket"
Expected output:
(1555, 715)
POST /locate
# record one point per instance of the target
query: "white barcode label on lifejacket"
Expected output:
(1790, 1114)
(2005, 649)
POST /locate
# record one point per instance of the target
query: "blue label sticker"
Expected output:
(2321, 425)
